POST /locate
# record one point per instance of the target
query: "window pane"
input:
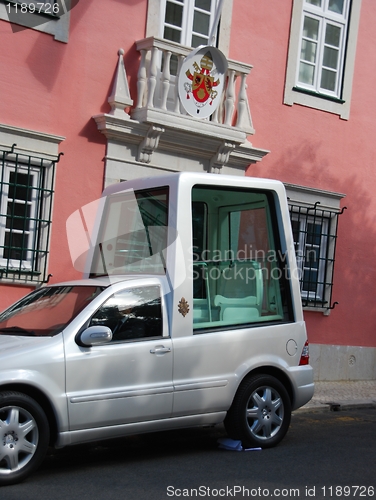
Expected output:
(20, 185)
(330, 58)
(306, 73)
(317, 3)
(15, 246)
(132, 314)
(172, 34)
(332, 35)
(237, 278)
(328, 80)
(312, 257)
(133, 234)
(311, 28)
(308, 52)
(48, 310)
(203, 4)
(18, 216)
(198, 40)
(310, 280)
(201, 23)
(336, 6)
(174, 14)
(313, 233)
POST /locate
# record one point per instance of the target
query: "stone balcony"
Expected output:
(156, 130)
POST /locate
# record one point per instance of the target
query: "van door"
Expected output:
(130, 378)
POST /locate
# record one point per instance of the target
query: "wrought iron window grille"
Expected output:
(315, 237)
(26, 197)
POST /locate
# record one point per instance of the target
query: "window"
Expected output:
(25, 215)
(133, 234)
(238, 276)
(188, 22)
(322, 46)
(132, 314)
(315, 233)
(179, 21)
(321, 61)
(48, 16)
(47, 310)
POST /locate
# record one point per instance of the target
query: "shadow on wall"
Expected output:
(355, 266)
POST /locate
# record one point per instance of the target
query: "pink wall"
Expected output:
(55, 88)
(320, 150)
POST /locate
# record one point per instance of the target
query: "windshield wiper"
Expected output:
(17, 330)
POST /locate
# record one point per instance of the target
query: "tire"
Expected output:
(24, 436)
(260, 413)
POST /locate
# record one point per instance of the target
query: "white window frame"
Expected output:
(30, 232)
(305, 200)
(56, 25)
(186, 29)
(337, 102)
(28, 148)
(324, 18)
(155, 21)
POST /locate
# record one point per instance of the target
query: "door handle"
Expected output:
(160, 349)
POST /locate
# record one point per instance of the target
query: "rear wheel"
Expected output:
(260, 413)
(24, 436)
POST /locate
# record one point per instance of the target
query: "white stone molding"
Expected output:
(149, 143)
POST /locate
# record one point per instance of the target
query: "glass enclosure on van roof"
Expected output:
(237, 266)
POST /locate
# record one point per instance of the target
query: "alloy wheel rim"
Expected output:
(18, 439)
(264, 413)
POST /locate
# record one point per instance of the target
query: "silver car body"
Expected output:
(117, 389)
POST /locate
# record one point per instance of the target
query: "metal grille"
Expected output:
(315, 236)
(26, 194)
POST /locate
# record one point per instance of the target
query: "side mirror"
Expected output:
(95, 335)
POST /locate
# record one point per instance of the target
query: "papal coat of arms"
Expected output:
(201, 81)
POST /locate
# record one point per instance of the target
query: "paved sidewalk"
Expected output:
(337, 395)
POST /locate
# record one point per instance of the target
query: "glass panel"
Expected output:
(132, 314)
(20, 185)
(336, 6)
(133, 235)
(328, 80)
(198, 40)
(15, 245)
(201, 23)
(203, 4)
(310, 280)
(174, 14)
(308, 52)
(317, 3)
(306, 73)
(237, 276)
(313, 233)
(46, 311)
(312, 257)
(330, 58)
(18, 216)
(311, 28)
(172, 34)
(333, 35)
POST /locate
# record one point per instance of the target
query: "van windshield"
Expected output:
(47, 311)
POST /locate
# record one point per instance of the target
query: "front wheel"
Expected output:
(24, 436)
(260, 413)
